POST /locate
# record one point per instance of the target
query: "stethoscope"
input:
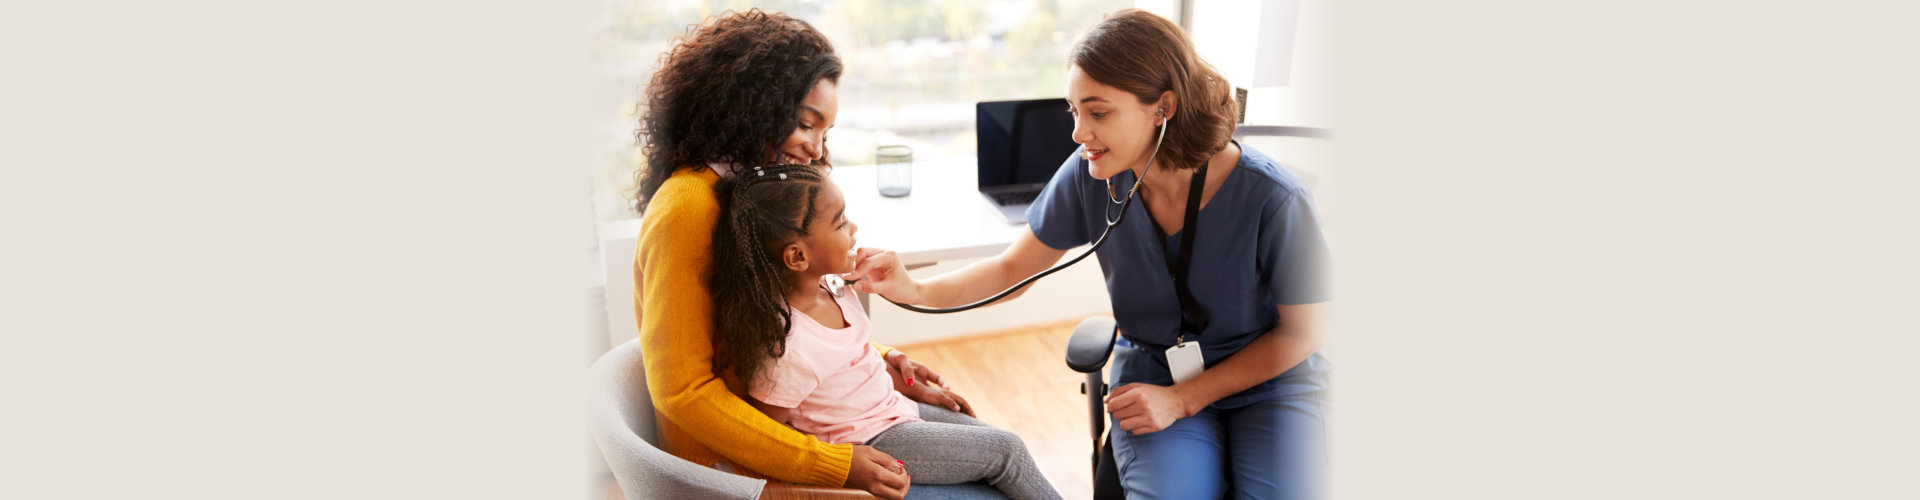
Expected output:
(837, 285)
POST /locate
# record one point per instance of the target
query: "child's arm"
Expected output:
(785, 382)
(777, 413)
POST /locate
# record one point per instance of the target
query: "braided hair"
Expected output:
(762, 210)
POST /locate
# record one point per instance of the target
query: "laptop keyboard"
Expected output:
(1016, 197)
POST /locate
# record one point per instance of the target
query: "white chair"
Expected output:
(621, 420)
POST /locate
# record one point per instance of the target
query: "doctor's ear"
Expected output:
(794, 257)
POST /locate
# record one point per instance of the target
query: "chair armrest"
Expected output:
(1091, 344)
(775, 491)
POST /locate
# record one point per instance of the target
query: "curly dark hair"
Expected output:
(726, 92)
(761, 212)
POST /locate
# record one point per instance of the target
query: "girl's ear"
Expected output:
(794, 257)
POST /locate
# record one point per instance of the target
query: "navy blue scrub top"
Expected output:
(1259, 246)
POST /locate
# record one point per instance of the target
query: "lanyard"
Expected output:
(1188, 306)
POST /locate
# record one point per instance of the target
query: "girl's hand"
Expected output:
(1144, 408)
(880, 272)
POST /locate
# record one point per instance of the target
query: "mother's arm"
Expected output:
(676, 330)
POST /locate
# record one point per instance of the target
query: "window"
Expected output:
(914, 69)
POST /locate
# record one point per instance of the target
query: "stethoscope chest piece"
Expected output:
(836, 285)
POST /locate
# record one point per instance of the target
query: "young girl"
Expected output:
(799, 348)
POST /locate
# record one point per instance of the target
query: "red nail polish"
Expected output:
(899, 463)
(909, 382)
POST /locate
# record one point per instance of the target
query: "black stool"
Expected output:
(1087, 352)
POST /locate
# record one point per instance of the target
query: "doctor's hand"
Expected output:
(880, 272)
(1144, 408)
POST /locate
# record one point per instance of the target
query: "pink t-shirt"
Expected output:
(835, 381)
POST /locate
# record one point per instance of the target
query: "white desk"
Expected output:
(945, 218)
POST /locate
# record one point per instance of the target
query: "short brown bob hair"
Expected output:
(1144, 54)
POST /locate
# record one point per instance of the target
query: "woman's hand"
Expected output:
(921, 384)
(878, 473)
(911, 370)
(880, 272)
(1144, 408)
(941, 397)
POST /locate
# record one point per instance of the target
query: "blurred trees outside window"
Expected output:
(914, 69)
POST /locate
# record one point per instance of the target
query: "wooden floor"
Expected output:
(1016, 379)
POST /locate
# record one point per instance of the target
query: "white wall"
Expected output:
(598, 340)
(1225, 32)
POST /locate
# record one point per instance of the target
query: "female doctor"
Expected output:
(1249, 304)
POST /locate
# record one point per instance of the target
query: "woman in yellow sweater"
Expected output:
(744, 88)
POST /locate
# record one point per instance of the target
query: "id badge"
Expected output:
(1184, 361)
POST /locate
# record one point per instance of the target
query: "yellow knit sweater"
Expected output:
(701, 420)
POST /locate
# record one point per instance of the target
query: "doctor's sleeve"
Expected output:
(1292, 252)
(1058, 216)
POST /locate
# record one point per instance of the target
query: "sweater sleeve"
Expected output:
(676, 328)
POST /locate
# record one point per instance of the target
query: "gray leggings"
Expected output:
(950, 447)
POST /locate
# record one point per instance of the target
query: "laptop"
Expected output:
(1021, 144)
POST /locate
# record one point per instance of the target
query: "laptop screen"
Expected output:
(1022, 143)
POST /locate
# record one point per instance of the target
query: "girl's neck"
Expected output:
(808, 297)
(805, 288)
